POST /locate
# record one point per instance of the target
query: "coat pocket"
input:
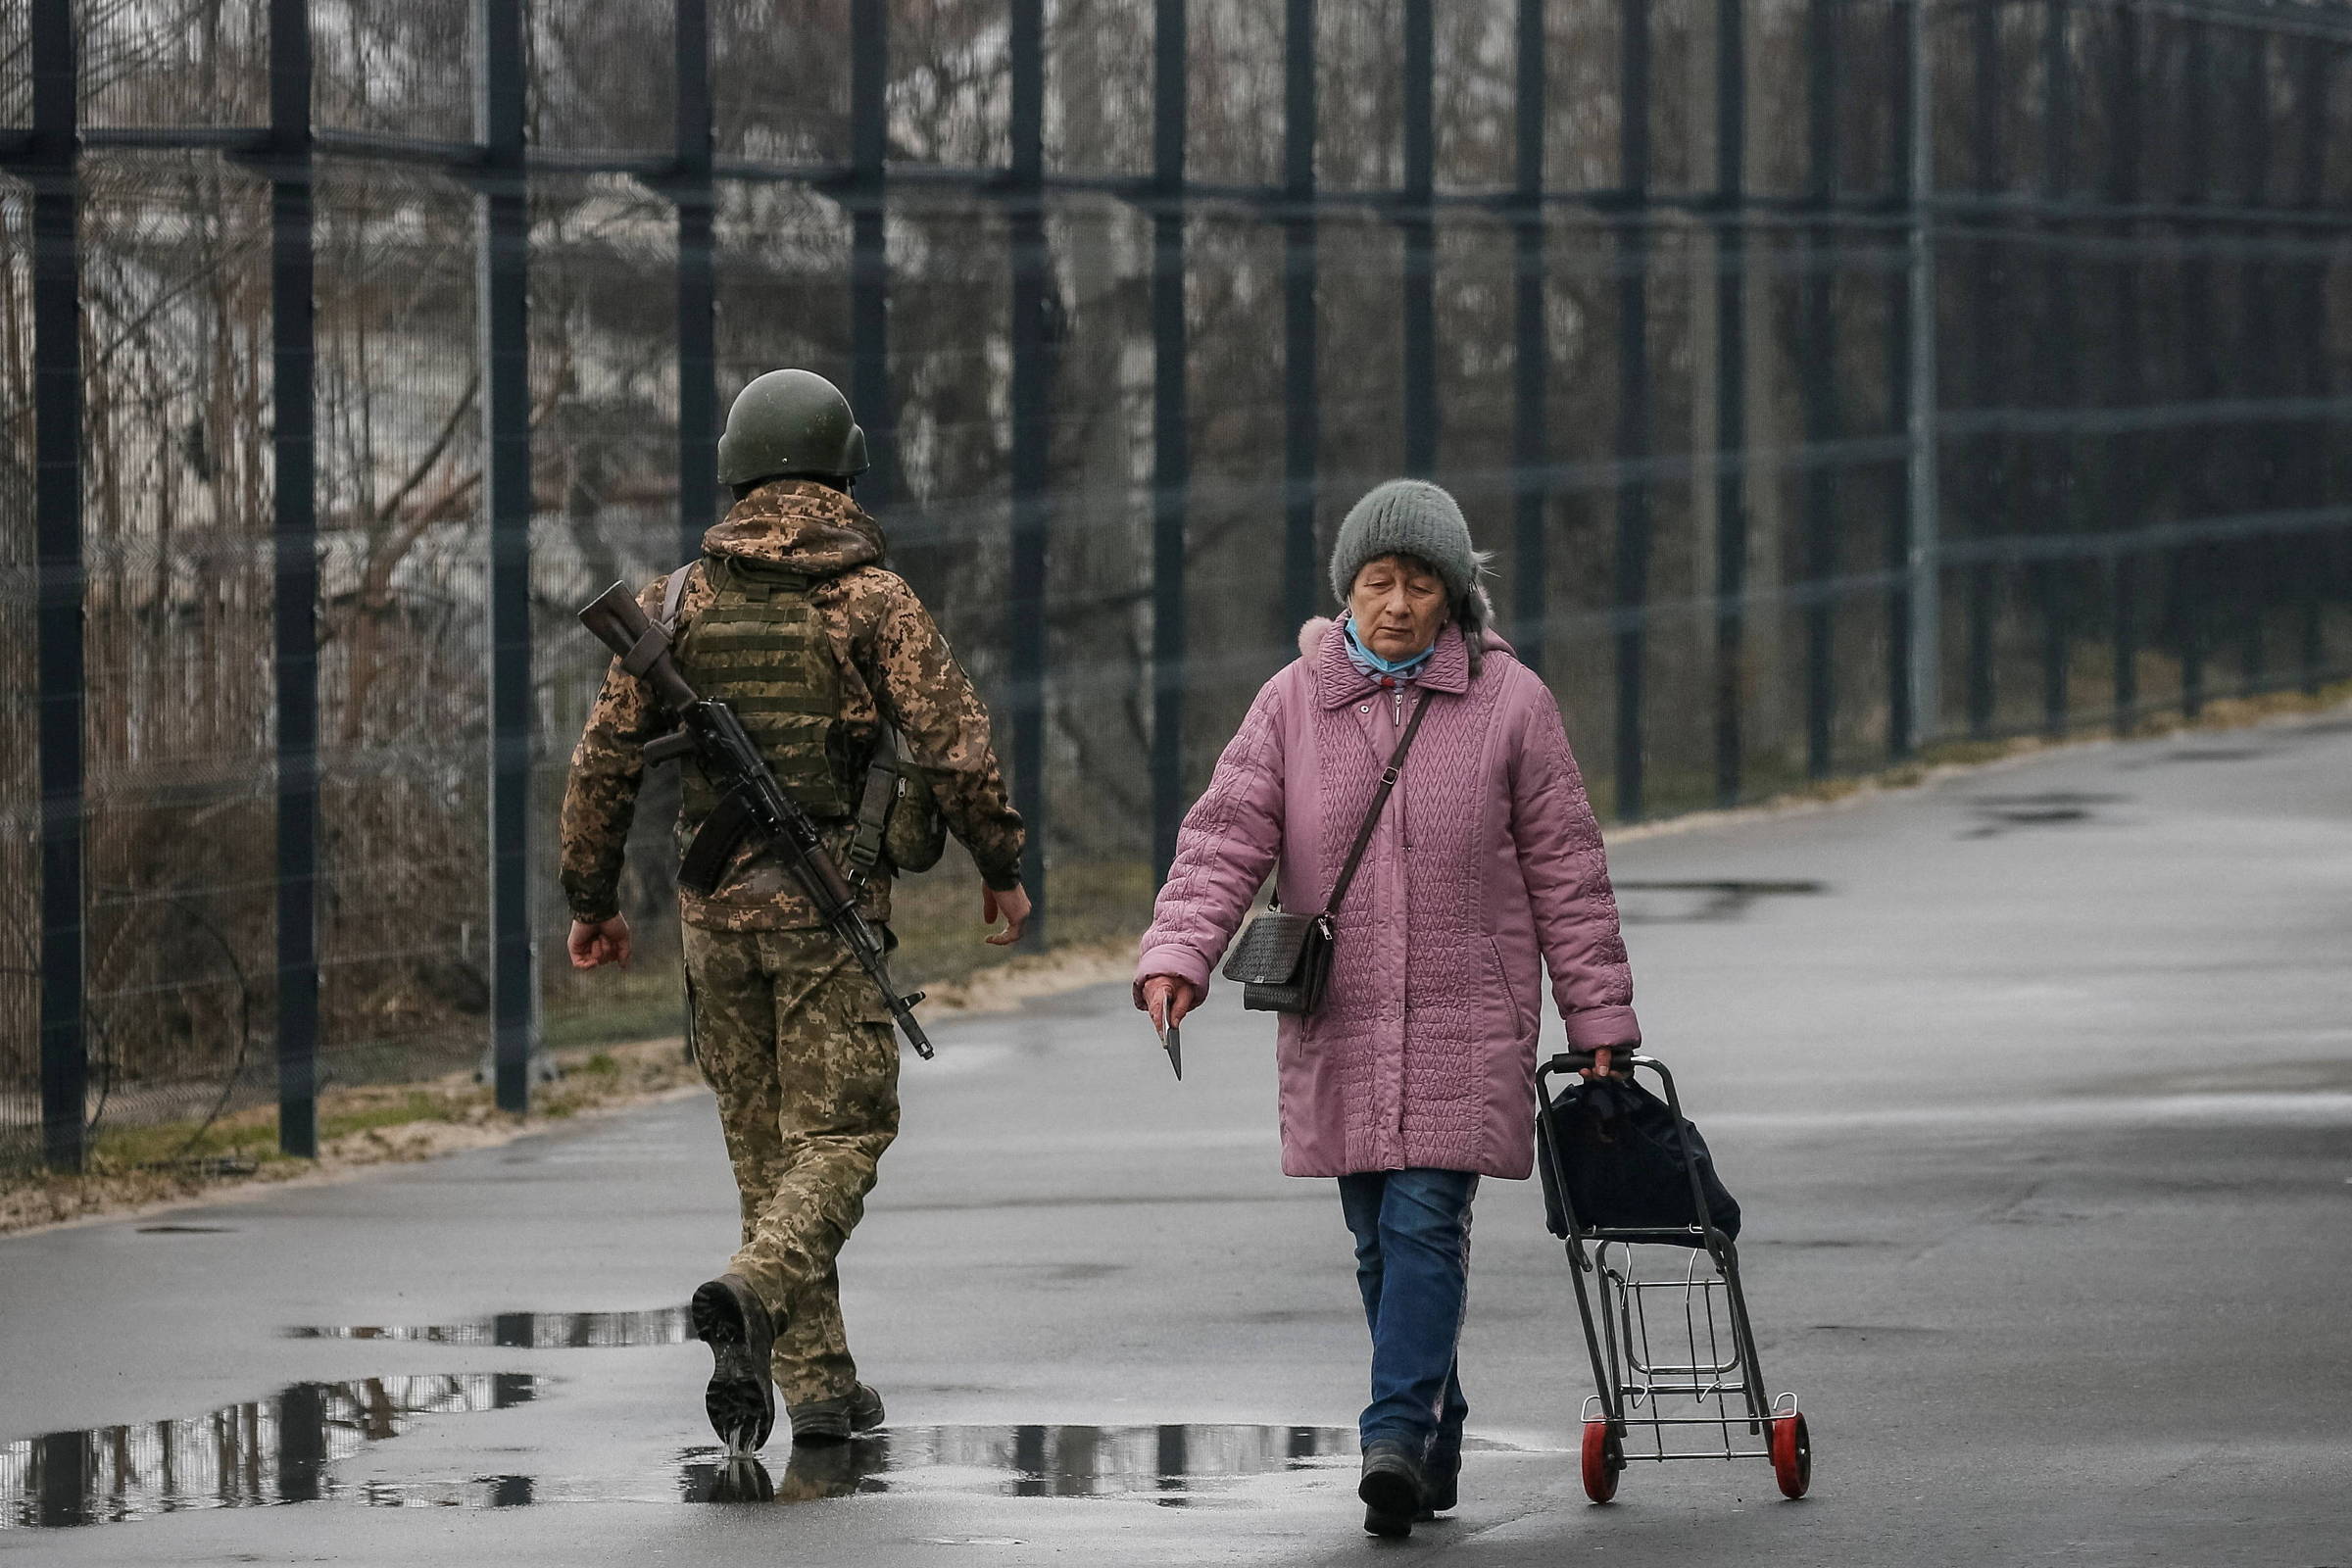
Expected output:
(1513, 1005)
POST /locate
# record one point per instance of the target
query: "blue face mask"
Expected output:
(1371, 661)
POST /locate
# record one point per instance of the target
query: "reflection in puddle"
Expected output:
(814, 1470)
(262, 1452)
(532, 1330)
(284, 1449)
(1169, 1464)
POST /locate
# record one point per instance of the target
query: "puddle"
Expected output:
(529, 1330)
(256, 1454)
(1865, 1333)
(1999, 813)
(284, 1450)
(1170, 1465)
(2198, 754)
(1673, 902)
(186, 1230)
(1073, 1273)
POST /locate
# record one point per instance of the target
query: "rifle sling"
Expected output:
(704, 864)
(672, 596)
(873, 807)
(644, 651)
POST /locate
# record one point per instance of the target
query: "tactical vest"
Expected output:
(759, 645)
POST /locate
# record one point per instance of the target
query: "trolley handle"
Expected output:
(1621, 1062)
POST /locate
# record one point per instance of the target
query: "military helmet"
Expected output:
(790, 423)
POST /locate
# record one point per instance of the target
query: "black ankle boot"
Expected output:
(1391, 1487)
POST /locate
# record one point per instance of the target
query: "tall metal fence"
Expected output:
(1833, 379)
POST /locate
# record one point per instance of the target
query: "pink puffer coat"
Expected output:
(1487, 856)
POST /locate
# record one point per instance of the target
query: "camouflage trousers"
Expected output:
(797, 1044)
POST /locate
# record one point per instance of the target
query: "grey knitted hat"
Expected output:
(1414, 518)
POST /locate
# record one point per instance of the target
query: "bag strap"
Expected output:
(873, 809)
(1388, 784)
(674, 595)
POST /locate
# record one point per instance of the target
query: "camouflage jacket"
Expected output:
(895, 665)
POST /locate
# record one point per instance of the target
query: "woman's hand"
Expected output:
(1600, 1063)
(1167, 999)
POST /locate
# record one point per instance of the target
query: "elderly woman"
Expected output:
(1415, 1074)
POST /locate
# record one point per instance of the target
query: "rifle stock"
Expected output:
(751, 801)
(620, 622)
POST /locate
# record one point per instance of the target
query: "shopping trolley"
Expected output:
(1674, 1354)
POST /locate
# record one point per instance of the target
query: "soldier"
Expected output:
(790, 619)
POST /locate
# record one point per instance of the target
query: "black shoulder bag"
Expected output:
(1283, 961)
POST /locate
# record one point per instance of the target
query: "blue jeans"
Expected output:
(1412, 1264)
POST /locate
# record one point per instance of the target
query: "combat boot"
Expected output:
(1390, 1489)
(836, 1420)
(741, 1401)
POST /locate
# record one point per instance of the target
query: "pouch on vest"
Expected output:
(1625, 1166)
(761, 647)
(897, 815)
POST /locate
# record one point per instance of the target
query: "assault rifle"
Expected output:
(751, 801)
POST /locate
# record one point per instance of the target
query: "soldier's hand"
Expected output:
(605, 942)
(1014, 906)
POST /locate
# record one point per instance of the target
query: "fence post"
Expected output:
(1531, 363)
(869, 258)
(2311, 193)
(296, 569)
(1731, 393)
(2121, 489)
(1301, 424)
(57, 510)
(503, 303)
(2053, 577)
(1633, 399)
(1171, 453)
(2195, 562)
(1026, 603)
(1819, 392)
(1982, 354)
(698, 282)
(2193, 565)
(2262, 372)
(1420, 241)
(1923, 547)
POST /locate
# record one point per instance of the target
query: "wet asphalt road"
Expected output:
(2041, 1105)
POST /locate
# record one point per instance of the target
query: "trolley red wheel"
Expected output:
(1792, 1454)
(1604, 1457)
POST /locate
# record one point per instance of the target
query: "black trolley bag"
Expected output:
(1632, 1189)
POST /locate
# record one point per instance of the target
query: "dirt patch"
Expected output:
(362, 1127)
